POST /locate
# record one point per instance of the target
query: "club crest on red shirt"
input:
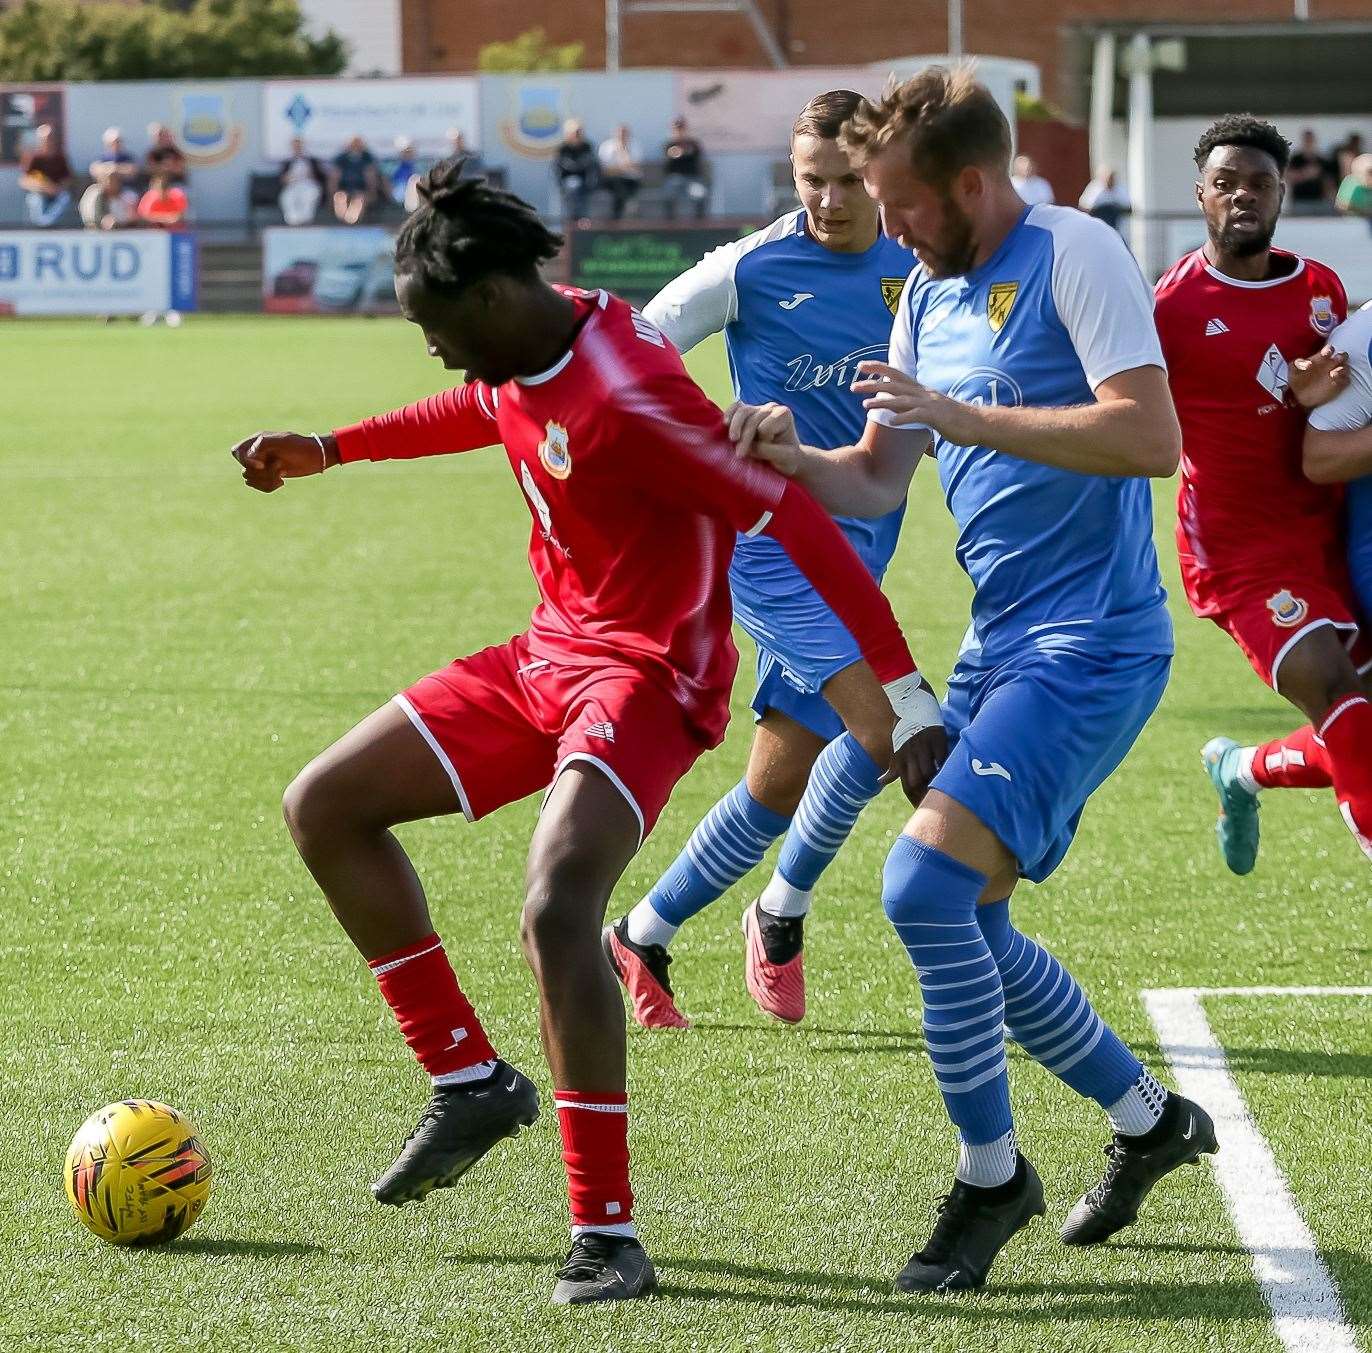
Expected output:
(1322, 317)
(1287, 611)
(554, 451)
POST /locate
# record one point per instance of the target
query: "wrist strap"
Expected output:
(323, 455)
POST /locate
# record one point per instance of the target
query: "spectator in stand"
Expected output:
(576, 169)
(303, 180)
(45, 177)
(114, 157)
(1029, 183)
(621, 167)
(164, 205)
(164, 155)
(109, 203)
(403, 180)
(1310, 177)
(683, 171)
(1104, 198)
(356, 181)
(473, 162)
(1355, 192)
(1346, 152)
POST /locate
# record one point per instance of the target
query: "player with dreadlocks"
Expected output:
(620, 682)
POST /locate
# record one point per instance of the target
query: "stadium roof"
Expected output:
(1297, 67)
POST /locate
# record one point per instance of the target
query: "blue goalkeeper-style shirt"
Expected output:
(797, 318)
(1059, 560)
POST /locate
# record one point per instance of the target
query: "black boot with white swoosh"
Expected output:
(1185, 1133)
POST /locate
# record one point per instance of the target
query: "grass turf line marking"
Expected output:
(1306, 1308)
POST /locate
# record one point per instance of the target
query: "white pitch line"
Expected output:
(1306, 1309)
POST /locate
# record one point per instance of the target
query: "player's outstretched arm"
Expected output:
(270, 458)
(1338, 437)
(1130, 430)
(1335, 457)
(866, 480)
(866, 694)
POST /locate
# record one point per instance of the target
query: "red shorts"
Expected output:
(1268, 619)
(504, 723)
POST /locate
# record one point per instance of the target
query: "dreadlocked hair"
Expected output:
(465, 229)
(1243, 129)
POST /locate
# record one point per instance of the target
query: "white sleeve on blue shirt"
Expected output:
(700, 302)
(1351, 409)
(901, 354)
(1100, 295)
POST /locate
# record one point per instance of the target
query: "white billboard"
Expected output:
(96, 272)
(327, 114)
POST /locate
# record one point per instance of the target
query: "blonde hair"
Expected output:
(946, 118)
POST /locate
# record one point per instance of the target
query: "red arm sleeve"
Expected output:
(827, 558)
(460, 419)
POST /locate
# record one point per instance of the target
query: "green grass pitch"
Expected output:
(175, 648)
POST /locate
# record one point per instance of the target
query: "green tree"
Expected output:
(162, 40)
(530, 51)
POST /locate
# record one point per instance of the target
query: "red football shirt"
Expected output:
(636, 497)
(1244, 505)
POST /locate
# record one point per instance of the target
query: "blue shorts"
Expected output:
(800, 645)
(1033, 739)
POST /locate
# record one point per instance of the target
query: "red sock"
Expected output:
(1298, 761)
(1347, 733)
(437, 1020)
(595, 1149)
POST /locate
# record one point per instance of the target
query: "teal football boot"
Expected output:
(1237, 827)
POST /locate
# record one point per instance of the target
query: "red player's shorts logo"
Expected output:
(1287, 611)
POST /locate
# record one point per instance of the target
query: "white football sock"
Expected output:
(780, 898)
(1243, 773)
(624, 1228)
(988, 1164)
(479, 1072)
(1139, 1108)
(647, 927)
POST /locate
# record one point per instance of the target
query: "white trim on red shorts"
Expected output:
(443, 759)
(610, 775)
(1348, 628)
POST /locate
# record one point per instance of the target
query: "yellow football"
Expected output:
(137, 1173)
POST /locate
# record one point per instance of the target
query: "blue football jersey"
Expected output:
(797, 318)
(1351, 411)
(1059, 559)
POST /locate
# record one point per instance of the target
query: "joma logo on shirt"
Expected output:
(809, 374)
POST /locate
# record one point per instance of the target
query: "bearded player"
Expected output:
(1023, 355)
(1262, 547)
(800, 304)
(620, 682)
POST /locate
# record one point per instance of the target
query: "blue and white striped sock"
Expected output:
(1048, 1015)
(931, 900)
(731, 839)
(843, 782)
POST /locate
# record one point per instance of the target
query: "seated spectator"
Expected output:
(576, 169)
(356, 181)
(164, 204)
(114, 157)
(164, 155)
(45, 176)
(1310, 177)
(1029, 183)
(303, 180)
(109, 203)
(621, 167)
(473, 162)
(1104, 199)
(1346, 152)
(683, 171)
(1355, 192)
(404, 177)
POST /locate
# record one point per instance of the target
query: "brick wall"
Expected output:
(446, 35)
